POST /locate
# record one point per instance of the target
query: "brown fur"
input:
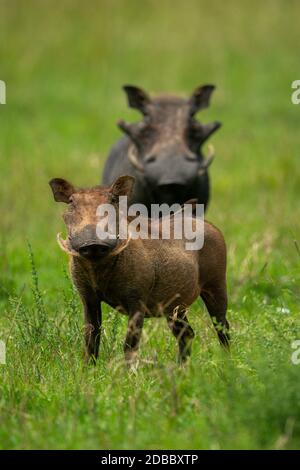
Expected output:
(146, 277)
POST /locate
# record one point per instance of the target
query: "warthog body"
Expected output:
(139, 277)
(163, 151)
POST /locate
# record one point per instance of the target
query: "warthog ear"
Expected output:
(123, 186)
(137, 98)
(208, 129)
(200, 98)
(62, 189)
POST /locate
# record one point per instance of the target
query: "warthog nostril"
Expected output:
(95, 250)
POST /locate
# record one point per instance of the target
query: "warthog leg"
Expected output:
(182, 330)
(133, 336)
(92, 326)
(215, 299)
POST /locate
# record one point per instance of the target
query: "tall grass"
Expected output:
(49, 399)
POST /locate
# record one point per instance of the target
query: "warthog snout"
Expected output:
(88, 245)
(170, 194)
(95, 250)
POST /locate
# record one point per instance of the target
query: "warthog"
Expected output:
(163, 151)
(139, 277)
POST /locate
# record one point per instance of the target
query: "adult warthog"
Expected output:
(163, 151)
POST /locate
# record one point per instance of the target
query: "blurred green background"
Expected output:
(64, 63)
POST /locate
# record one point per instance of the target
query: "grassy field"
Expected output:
(64, 63)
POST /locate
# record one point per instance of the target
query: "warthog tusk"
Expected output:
(208, 161)
(132, 157)
(121, 246)
(63, 245)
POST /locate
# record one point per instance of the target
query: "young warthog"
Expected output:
(139, 277)
(164, 150)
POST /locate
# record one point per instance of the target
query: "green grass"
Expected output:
(64, 63)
